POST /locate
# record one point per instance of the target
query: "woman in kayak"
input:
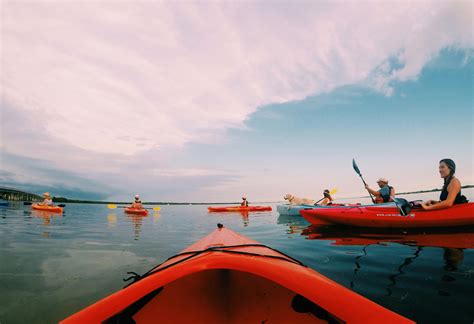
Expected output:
(244, 202)
(137, 204)
(385, 193)
(48, 201)
(451, 192)
(327, 198)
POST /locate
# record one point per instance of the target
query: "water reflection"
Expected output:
(295, 224)
(452, 241)
(112, 220)
(243, 214)
(455, 238)
(406, 263)
(453, 258)
(137, 221)
(47, 218)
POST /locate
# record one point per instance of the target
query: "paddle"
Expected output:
(356, 169)
(332, 192)
(112, 206)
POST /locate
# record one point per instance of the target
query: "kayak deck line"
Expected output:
(223, 249)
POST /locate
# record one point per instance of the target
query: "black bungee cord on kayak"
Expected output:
(224, 248)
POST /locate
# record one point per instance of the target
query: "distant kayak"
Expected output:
(52, 209)
(294, 210)
(239, 209)
(228, 278)
(135, 211)
(389, 216)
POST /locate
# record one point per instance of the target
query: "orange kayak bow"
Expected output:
(228, 278)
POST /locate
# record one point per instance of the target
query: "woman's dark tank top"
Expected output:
(460, 199)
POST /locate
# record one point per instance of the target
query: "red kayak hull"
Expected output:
(250, 284)
(389, 217)
(135, 211)
(239, 209)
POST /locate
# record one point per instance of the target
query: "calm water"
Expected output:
(52, 266)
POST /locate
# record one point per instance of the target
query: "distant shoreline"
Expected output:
(78, 201)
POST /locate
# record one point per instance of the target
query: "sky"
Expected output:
(209, 101)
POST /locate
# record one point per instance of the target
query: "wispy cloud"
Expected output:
(129, 77)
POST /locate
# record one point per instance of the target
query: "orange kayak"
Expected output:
(239, 209)
(228, 278)
(135, 211)
(51, 209)
(389, 217)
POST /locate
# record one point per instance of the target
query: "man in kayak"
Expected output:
(48, 201)
(327, 198)
(451, 192)
(244, 202)
(137, 204)
(385, 193)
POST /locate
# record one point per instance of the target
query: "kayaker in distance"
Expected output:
(244, 202)
(48, 201)
(451, 192)
(137, 204)
(327, 198)
(385, 193)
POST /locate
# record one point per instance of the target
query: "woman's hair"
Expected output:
(327, 194)
(452, 169)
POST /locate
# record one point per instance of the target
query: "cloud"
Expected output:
(128, 77)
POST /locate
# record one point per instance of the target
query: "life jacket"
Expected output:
(386, 198)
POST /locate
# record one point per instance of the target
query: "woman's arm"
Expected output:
(453, 190)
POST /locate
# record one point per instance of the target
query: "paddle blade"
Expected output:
(333, 191)
(27, 203)
(62, 205)
(111, 206)
(356, 168)
(156, 208)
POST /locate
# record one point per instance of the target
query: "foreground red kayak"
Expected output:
(51, 209)
(389, 217)
(239, 208)
(134, 211)
(228, 278)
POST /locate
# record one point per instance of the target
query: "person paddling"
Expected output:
(451, 192)
(384, 194)
(48, 201)
(137, 204)
(327, 200)
(244, 202)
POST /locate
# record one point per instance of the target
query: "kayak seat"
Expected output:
(223, 296)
